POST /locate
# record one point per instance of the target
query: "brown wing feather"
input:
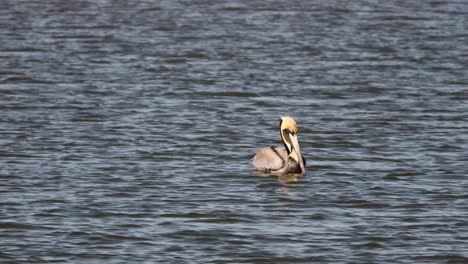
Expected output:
(270, 159)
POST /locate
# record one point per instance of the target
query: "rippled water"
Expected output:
(126, 129)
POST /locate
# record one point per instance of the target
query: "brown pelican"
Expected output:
(282, 160)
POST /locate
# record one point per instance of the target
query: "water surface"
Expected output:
(126, 131)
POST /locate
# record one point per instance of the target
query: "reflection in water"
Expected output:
(290, 178)
(285, 190)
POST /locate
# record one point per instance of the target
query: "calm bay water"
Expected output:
(126, 129)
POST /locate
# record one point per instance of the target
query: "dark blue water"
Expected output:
(126, 129)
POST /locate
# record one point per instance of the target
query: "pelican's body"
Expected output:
(282, 160)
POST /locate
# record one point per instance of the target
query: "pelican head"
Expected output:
(288, 129)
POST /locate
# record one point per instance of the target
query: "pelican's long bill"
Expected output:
(297, 149)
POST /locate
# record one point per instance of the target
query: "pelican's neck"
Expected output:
(293, 155)
(286, 143)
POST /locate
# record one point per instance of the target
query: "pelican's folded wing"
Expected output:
(270, 159)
